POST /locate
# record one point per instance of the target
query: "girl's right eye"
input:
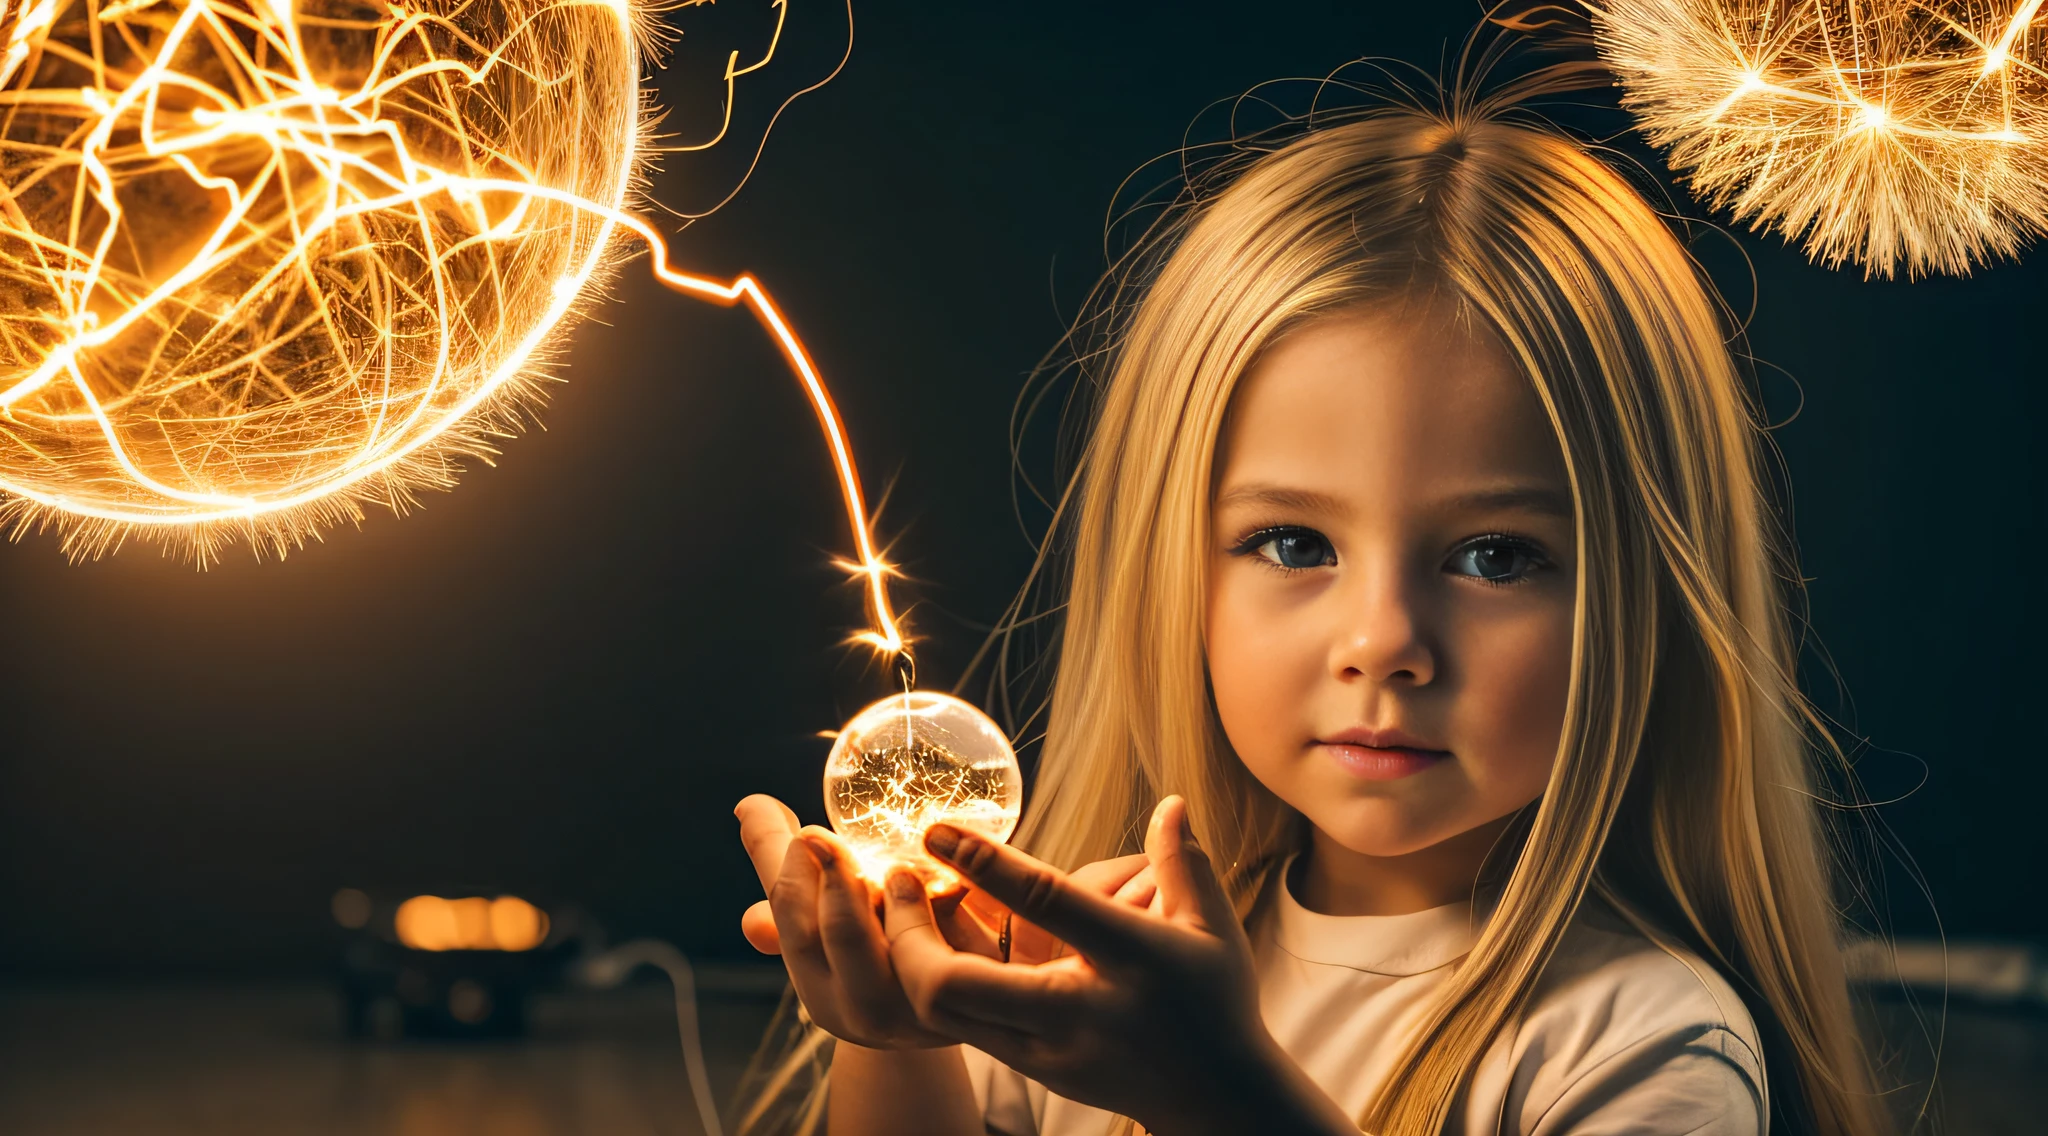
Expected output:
(1292, 549)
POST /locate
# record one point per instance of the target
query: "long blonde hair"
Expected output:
(1684, 787)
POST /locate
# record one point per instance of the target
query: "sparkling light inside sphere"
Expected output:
(1888, 133)
(910, 761)
(261, 260)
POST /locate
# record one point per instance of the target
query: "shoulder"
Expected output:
(1627, 1032)
(1611, 983)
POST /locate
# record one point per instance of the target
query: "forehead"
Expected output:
(1403, 402)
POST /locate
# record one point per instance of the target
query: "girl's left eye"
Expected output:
(1291, 549)
(1496, 559)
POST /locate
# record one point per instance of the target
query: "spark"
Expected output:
(264, 260)
(1889, 133)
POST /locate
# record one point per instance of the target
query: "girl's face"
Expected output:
(1390, 607)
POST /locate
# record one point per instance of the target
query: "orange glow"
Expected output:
(911, 761)
(507, 923)
(265, 260)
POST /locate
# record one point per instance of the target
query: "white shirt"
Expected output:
(1622, 1037)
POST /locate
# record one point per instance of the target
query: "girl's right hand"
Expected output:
(823, 919)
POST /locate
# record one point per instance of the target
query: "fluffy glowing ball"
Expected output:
(262, 260)
(1890, 133)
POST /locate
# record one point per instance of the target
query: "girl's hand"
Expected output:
(821, 917)
(1156, 1017)
(1126, 879)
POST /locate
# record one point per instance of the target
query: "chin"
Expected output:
(1381, 827)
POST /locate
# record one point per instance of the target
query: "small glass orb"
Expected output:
(911, 761)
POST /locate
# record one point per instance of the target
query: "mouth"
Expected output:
(1380, 755)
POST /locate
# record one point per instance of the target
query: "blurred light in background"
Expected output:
(461, 969)
(352, 908)
(433, 966)
(430, 923)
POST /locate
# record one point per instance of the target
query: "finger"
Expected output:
(793, 899)
(963, 927)
(794, 902)
(1139, 890)
(986, 907)
(851, 933)
(1107, 876)
(1094, 924)
(1189, 891)
(1031, 944)
(758, 925)
(766, 826)
(906, 909)
(960, 994)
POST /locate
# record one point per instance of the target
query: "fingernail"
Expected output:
(823, 850)
(904, 886)
(943, 839)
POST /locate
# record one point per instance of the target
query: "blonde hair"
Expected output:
(1683, 792)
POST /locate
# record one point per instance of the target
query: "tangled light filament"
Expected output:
(1883, 132)
(263, 259)
(911, 761)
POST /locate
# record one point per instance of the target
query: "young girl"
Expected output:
(1423, 576)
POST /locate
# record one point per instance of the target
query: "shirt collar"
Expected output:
(1394, 945)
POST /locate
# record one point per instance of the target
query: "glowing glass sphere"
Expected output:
(911, 761)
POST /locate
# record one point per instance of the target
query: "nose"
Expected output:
(1383, 637)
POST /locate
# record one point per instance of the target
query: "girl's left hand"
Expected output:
(1157, 1016)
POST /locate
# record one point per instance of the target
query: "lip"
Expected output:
(1380, 755)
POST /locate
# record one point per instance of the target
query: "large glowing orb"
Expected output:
(1888, 133)
(262, 260)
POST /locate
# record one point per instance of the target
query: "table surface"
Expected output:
(248, 1059)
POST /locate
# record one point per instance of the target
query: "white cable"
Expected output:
(612, 968)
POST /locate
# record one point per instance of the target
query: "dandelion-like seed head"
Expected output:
(1888, 133)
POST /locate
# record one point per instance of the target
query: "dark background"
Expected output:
(558, 678)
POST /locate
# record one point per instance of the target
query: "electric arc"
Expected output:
(264, 260)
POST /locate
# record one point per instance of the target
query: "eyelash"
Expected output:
(1252, 542)
(1538, 558)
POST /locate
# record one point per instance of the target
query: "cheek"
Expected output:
(1262, 667)
(1519, 678)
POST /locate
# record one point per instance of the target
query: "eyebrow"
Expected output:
(1531, 498)
(1507, 498)
(1280, 497)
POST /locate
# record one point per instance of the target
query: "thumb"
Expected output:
(758, 925)
(1189, 891)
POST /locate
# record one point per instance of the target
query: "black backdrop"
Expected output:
(558, 678)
